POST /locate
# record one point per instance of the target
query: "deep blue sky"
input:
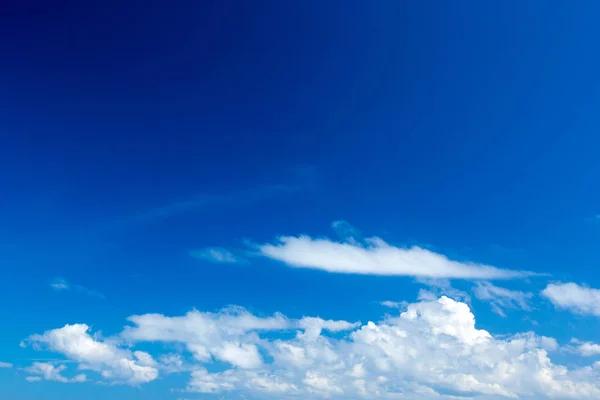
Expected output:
(133, 133)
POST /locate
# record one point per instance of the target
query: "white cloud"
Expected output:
(433, 350)
(5, 365)
(229, 336)
(375, 257)
(502, 298)
(573, 297)
(394, 304)
(586, 349)
(216, 255)
(50, 372)
(105, 357)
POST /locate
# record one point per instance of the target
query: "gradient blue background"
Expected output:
(134, 132)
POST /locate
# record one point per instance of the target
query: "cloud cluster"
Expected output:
(432, 350)
(230, 336)
(376, 257)
(105, 357)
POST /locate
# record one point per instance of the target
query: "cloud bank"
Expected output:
(432, 350)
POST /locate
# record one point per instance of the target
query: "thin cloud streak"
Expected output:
(60, 285)
(217, 255)
(376, 257)
(195, 203)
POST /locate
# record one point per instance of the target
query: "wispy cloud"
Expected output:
(217, 255)
(346, 232)
(441, 287)
(595, 219)
(5, 365)
(60, 284)
(573, 297)
(375, 257)
(51, 372)
(302, 177)
(394, 304)
(502, 298)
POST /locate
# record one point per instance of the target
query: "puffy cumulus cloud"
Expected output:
(501, 298)
(586, 349)
(217, 255)
(375, 257)
(573, 297)
(230, 336)
(50, 372)
(431, 350)
(204, 382)
(314, 326)
(112, 362)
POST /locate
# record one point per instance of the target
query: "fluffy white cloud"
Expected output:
(230, 336)
(50, 372)
(5, 365)
(573, 297)
(105, 357)
(375, 257)
(432, 350)
(586, 349)
(502, 298)
(216, 255)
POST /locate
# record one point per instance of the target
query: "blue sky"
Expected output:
(214, 201)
